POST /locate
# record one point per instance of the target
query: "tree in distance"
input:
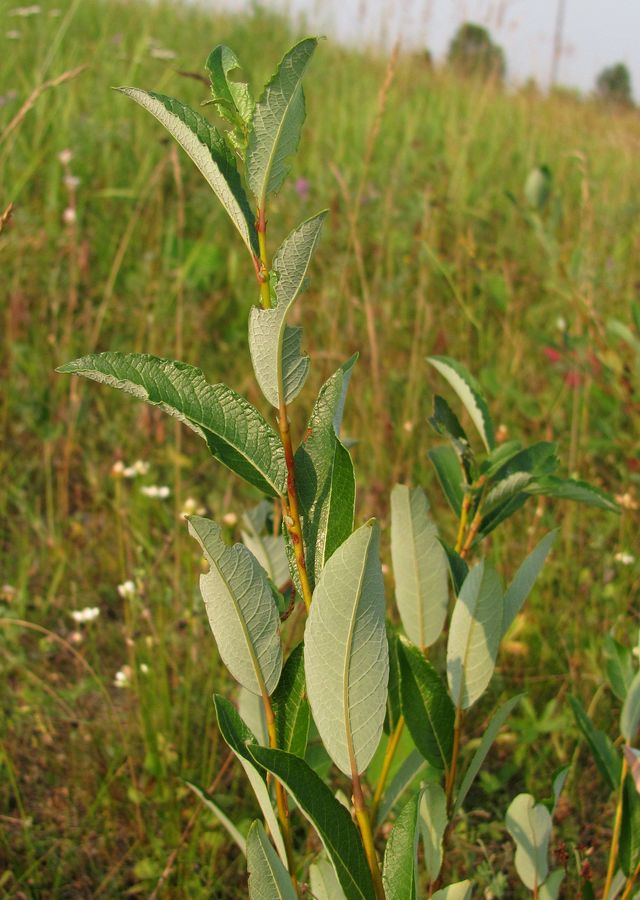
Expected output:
(472, 52)
(613, 85)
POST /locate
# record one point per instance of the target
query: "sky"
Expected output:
(596, 33)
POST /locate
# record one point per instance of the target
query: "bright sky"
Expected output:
(597, 33)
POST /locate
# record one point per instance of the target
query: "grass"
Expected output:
(429, 248)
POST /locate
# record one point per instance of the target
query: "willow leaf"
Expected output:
(427, 707)
(399, 873)
(419, 566)
(239, 739)
(231, 98)
(226, 823)
(524, 579)
(234, 430)
(241, 609)
(470, 393)
(530, 827)
(280, 368)
(324, 881)
(277, 122)
(268, 878)
(346, 653)
(328, 816)
(324, 475)
(474, 635)
(432, 824)
(461, 890)
(206, 147)
(290, 705)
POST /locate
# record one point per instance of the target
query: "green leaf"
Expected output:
(280, 369)
(268, 878)
(399, 873)
(633, 761)
(226, 823)
(427, 707)
(530, 827)
(412, 766)
(500, 456)
(419, 566)
(268, 548)
(570, 489)
(449, 474)
(346, 654)
(277, 122)
(630, 828)
(524, 579)
(619, 666)
(470, 393)
(331, 820)
(290, 706)
(488, 737)
(550, 890)
(461, 890)
(394, 699)
(458, 568)
(234, 430)
(241, 609)
(324, 476)
(537, 187)
(500, 513)
(206, 147)
(604, 753)
(433, 823)
(231, 98)
(445, 422)
(630, 716)
(324, 881)
(474, 635)
(239, 739)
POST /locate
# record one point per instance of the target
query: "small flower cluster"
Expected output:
(88, 614)
(71, 182)
(139, 467)
(157, 491)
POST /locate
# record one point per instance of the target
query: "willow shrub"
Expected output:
(356, 680)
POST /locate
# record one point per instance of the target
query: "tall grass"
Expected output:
(429, 247)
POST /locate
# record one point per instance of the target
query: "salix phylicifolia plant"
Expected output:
(360, 686)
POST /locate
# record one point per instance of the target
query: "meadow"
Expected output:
(431, 246)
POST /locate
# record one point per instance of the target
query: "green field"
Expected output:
(430, 247)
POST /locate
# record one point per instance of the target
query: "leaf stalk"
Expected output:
(615, 838)
(364, 824)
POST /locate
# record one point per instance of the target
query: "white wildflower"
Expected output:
(230, 519)
(25, 11)
(159, 492)
(12, 35)
(191, 507)
(122, 678)
(8, 593)
(144, 668)
(71, 182)
(141, 466)
(625, 559)
(65, 157)
(88, 614)
(69, 216)
(408, 426)
(117, 469)
(127, 590)
(163, 53)
(561, 323)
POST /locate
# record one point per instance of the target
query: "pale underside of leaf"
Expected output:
(346, 652)
(630, 715)
(419, 566)
(241, 610)
(234, 430)
(432, 823)
(467, 390)
(530, 827)
(279, 365)
(202, 143)
(232, 98)
(461, 890)
(268, 878)
(474, 635)
(324, 881)
(277, 122)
